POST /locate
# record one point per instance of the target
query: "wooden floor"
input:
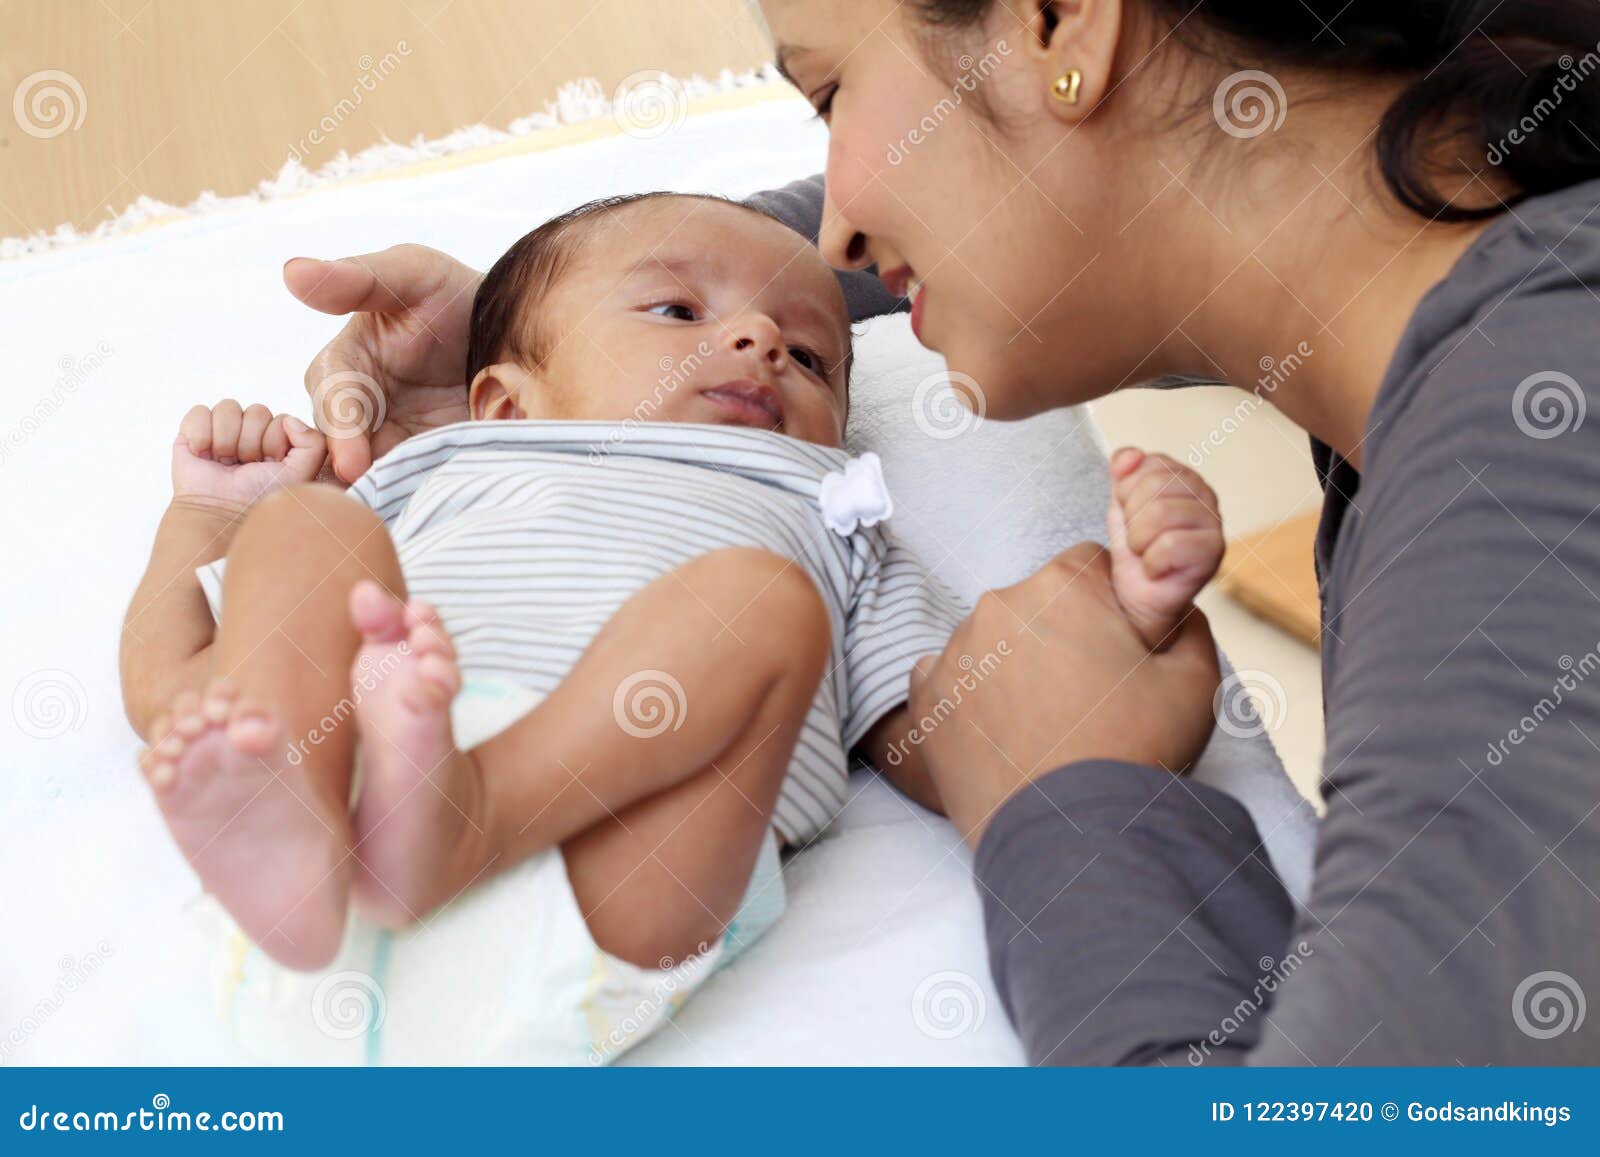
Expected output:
(111, 99)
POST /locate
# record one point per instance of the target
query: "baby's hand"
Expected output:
(1166, 540)
(232, 457)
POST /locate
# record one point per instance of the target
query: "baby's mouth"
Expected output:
(748, 403)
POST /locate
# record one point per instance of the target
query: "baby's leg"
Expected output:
(659, 755)
(254, 777)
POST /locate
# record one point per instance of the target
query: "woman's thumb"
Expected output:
(372, 283)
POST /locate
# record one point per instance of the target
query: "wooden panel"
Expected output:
(110, 99)
(1273, 575)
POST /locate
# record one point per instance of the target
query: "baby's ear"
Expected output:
(496, 393)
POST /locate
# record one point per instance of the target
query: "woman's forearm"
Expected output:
(168, 631)
(1131, 917)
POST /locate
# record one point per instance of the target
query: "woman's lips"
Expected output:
(904, 282)
(748, 403)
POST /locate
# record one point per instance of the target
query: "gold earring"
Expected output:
(1065, 87)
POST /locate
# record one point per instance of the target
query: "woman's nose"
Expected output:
(758, 334)
(841, 246)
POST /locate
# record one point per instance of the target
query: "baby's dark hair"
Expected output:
(505, 319)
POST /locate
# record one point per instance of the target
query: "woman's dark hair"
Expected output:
(505, 318)
(1514, 77)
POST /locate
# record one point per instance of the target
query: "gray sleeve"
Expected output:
(1451, 920)
(799, 206)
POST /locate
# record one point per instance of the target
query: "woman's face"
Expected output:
(953, 169)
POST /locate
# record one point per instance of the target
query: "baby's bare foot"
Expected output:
(250, 825)
(418, 819)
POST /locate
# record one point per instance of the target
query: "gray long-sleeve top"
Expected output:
(1455, 912)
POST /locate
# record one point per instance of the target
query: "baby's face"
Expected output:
(684, 310)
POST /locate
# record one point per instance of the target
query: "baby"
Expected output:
(630, 620)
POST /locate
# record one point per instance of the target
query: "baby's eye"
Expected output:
(806, 358)
(675, 310)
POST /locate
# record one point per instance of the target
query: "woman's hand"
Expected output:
(1050, 672)
(399, 366)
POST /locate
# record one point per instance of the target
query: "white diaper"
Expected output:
(536, 990)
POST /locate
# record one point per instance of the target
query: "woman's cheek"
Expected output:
(866, 145)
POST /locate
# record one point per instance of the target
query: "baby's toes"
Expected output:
(439, 678)
(186, 718)
(252, 730)
(425, 632)
(159, 761)
(376, 613)
(217, 703)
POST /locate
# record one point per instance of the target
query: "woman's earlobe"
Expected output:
(1065, 87)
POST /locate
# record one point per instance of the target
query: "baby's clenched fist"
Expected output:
(232, 457)
(1165, 539)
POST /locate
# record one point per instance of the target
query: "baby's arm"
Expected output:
(894, 747)
(224, 460)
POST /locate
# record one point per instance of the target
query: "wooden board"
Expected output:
(1272, 574)
(169, 98)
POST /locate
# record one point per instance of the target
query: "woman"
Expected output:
(1084, 195)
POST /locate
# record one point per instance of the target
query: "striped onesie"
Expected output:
(529, 535)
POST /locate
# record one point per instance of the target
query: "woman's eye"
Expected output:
(824, 103)
(673, 309)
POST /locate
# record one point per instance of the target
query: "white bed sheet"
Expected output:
(880, 959)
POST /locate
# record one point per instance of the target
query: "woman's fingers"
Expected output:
(390, 281)
(1049, 672)
(227, 419)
